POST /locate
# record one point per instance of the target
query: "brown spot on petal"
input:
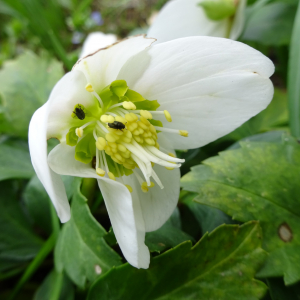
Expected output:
(285, 232)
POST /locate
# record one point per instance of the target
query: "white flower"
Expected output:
(95, 41)
(183, 18)
(206, 87)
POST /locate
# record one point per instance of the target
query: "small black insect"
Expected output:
(116, 125)
(80, 114)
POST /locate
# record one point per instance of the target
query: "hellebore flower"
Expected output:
(121, 112)
(183, 18)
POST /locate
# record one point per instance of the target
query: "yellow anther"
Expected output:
(79, 132)
(168, 116)
(120, 119)
(169, 168)
(111, 137)
(113, 145)
(171, 154)
(128, 134)
(121, 148)
(129, 188)
(146, 114)
(152, 164)
(110, 119)
(101, 143)
(144, 189)
(184, 133)
(111, 175)
(125, 139)
(132, 126)
(142, 125)
(104, 118)
(100, 172)
(150, 141)
(89, 88)
(128, 105)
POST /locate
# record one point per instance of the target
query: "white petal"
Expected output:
(183, 18)
(239, 20)
(158, 204)
(38, 152)
(68, 92)
(62, 161)
(103, 67)
(96, 41)
(209, 85)
(126, 218)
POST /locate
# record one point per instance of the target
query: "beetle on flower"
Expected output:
(180, 94)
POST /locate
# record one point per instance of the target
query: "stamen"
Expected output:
(111, 176)
(146, 114)
(157, 180)
(129, 188)
(153, 158)
(100, 172)
(90, 89)
(115, 105)
(107, 119)
(129, 105)
(169, 130)
(105, 162)
(102, 127)
(142, 168)
(168, 116)
(100, 143)
(79, 132)
(164, 156)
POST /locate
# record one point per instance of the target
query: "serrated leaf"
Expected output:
(55, 286)
(81, 249)
(18, 243)
(199, 272)
(258, 182)
(15, 161)
(25, 85)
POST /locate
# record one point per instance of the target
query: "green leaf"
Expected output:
(25, 85)
(257, 182)
(199, 272)
(274, 17)
(38, 204)
(18, 242)
(294, 78)
(55, 286)
(15, 160)
(81, 249)
(168, 236)
(207, 217)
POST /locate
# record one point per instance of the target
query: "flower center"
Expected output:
(120, 135)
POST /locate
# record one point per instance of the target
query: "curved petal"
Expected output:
(183, 18)
(103, 66)
(68, 92)
(209, 85)
(38, 152)
(124, 211)
(126, 218)
(158, 204)
(96, 41)
(62, 161)
(239, 20)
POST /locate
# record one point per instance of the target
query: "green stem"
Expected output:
(56, 288)
(34, 265)
(294, 77)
